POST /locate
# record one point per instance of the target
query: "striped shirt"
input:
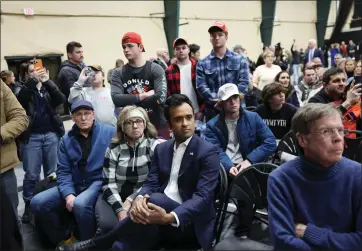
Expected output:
(125, 170)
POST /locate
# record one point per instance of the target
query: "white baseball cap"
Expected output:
(227, 90)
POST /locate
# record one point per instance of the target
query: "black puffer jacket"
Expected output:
(68, 75)
(53, 97)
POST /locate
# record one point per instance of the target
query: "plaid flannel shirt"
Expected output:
(125, 169)
(213, 72)
(173, 81)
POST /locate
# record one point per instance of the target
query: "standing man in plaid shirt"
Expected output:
(221, 66)
(181, 76)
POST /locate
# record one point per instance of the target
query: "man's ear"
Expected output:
(302, 139)
(169, 124)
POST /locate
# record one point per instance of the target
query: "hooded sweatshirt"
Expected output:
(68, 75)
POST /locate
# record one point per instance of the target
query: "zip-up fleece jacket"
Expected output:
(69, 177)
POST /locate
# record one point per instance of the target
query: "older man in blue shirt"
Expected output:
(219, 67)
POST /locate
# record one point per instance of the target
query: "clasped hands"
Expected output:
(143, 212)
(236, 169)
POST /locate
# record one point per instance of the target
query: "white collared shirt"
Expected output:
(171, 189)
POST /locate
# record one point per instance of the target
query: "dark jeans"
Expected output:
(9, 184)
(105, 216)
(128, 235)
(10, 232)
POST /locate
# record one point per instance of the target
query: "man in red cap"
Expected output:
(219, 67)
(140, 83)
(181, 76)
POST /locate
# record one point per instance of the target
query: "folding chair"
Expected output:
(251, 108)
(287, 147)
(220, 196)
(249, 186)
(353, 146)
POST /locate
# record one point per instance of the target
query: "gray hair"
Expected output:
(306, 116)
(312, 41)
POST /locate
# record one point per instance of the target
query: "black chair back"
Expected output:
(221, 195)
(251, 108)
(287, 144)
(249, 186)
(353, 146)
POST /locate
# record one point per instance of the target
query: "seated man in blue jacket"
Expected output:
(176, 204)
(242, 137)
(79, 177)
(315, 200)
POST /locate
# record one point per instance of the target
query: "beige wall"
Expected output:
(100, 25)
(100, 35)
(243, 19)
(294, 20)
(239, 17)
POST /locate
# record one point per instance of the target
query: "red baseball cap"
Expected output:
(178, 41)
(218, 24)
(132, 37)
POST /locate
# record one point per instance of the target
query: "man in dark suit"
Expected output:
(175, 207)
(312, 52)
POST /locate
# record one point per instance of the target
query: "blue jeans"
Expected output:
(40, 150)
(296, 74)
(49, 207)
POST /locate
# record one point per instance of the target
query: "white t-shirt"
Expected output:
(103, 105)
(186, 85)
(232, 150)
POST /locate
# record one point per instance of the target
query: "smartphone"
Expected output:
(38, 64)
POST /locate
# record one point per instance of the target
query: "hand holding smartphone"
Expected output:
(38, 64)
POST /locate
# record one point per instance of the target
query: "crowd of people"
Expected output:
(140, 166)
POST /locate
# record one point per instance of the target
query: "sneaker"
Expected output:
(70, 241)
(77, 246)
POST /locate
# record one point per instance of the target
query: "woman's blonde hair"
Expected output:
(149, 131)
(267, 53)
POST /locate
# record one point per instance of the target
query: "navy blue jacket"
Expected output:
(69, 177)
(198, 178)
(256, 141)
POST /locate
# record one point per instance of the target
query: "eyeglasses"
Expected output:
(130, 123)
(79, 115)
(328, 132)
